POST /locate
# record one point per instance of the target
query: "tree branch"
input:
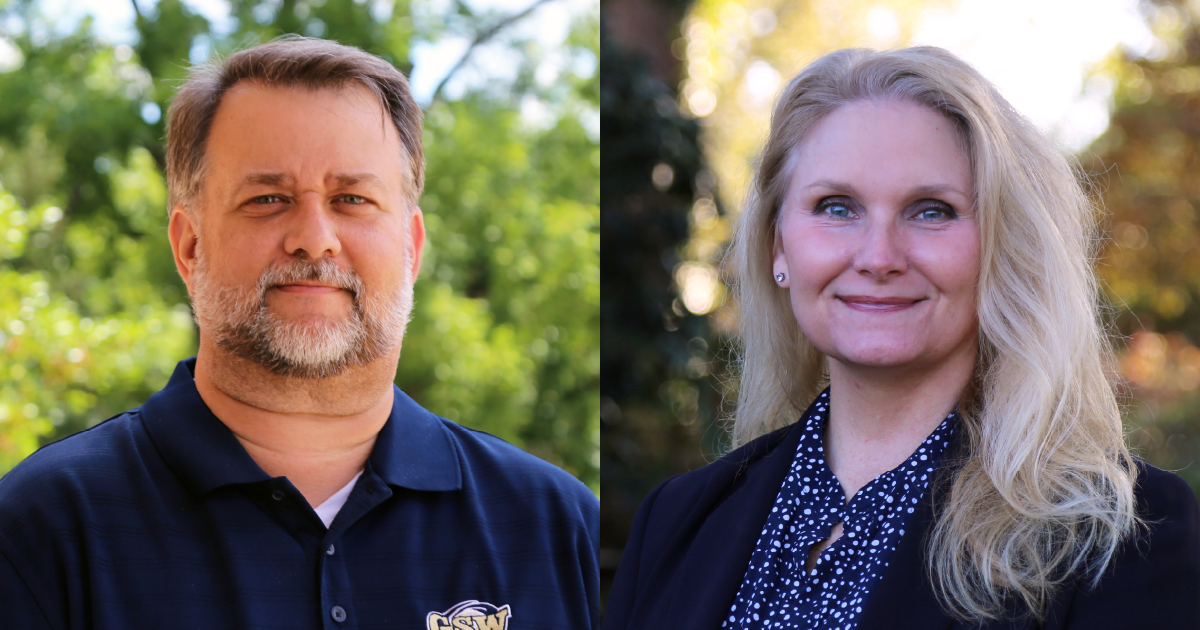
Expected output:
(481, 38)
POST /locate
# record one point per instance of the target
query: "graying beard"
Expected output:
(252, 341)
(251, 338)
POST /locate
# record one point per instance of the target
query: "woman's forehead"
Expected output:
(882, 143)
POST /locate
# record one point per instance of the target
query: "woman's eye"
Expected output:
(835, 208)
(935, 213)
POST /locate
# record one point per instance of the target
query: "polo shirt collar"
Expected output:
(413, 450)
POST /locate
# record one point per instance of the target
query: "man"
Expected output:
(281, 480)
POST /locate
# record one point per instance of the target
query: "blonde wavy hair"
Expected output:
(1043, 488)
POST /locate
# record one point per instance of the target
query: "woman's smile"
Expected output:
(873, 304)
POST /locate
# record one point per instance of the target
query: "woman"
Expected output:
(915, 261)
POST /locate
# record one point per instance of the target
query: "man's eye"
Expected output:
(354, 199)
(266, 199)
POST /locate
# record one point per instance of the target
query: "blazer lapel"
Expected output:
(713, 565)
(904, 598)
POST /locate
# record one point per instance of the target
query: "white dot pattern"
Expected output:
(777, 592)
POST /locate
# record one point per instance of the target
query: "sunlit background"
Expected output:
(1115, 83)
(1060, 62)
(1051, 60)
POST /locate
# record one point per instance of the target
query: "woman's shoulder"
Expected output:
(1168, 538)
(693, 535)
(1164, 495)
(730, 470)
(1153, 578)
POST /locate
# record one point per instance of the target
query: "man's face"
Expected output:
(305, 252)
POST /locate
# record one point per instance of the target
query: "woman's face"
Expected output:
(878, 238)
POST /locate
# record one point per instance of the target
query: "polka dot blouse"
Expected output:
(777, 592)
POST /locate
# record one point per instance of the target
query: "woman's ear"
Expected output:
(779, 266)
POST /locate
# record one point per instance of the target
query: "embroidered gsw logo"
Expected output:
(470, 615)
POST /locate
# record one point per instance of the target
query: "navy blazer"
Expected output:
(693, 536)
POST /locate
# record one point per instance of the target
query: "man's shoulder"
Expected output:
(91, 457)
(491, 462)
(75, 482)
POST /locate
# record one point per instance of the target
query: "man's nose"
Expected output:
(881, 254)
(312, 229)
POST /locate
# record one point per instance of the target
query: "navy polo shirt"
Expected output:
(158, 518)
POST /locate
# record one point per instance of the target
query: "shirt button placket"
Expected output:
(335, 587)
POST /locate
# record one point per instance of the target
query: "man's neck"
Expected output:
(316, 432)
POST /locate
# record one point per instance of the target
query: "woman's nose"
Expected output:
(880, 253)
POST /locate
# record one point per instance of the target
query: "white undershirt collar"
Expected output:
(329, 509)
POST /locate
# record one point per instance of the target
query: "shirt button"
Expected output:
(329, 551)
(278, 495)
(338, 613)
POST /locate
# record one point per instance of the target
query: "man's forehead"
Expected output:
(250, 108)
(274, 136)
(352, 91)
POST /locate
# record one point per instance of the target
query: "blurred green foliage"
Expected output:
(93, 317)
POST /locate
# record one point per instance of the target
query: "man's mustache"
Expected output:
(323, 270)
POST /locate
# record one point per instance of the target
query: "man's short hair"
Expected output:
(290, 61)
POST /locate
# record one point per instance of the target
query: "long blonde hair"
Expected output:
(1044, 490)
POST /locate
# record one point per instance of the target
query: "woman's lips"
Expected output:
(872, 304)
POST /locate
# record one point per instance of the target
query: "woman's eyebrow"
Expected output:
(936, 189)
(923, 190)
(845, 187)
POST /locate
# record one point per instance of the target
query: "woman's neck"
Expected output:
(877, 418)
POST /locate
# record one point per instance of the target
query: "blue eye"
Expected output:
(935, 212)
(835, 207)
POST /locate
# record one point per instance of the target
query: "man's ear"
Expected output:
(184, 234)
(416, 239)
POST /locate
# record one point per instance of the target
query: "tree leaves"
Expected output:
(505, 336)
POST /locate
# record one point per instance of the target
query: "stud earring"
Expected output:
(779, 277)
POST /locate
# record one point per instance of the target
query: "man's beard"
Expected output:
(242, 324)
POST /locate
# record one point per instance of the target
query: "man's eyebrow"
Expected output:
(266, 179)
(350, 179)
(342, 180)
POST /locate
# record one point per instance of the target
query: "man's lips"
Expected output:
(875, 304)
(307, 288)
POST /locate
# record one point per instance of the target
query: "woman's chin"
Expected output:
(881, 358)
